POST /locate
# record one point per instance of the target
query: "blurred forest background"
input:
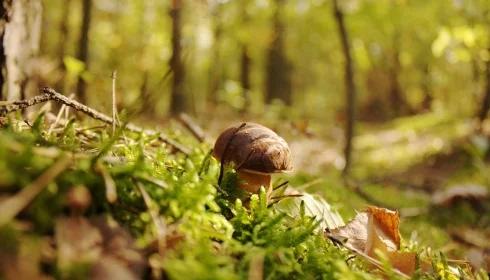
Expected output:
(400, 86)
(264, 56)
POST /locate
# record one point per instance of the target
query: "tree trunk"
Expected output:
(350, 89)
(278, 82)
(216, 67)
(83, 51)
(426, 88)
(21, 47)
(396, 94)
(245, 63)
(63, 44)
(4, 17)
(486, 98)
(177, 102)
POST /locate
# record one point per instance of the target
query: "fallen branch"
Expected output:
(7, 107)
(50, 94)
(192, 126)
(357, 188)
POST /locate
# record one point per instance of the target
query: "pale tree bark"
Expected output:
(177, 102)
(4, 17)
(83, 51)
(21, 43)
(350, 88)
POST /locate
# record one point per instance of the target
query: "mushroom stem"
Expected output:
(252, 182)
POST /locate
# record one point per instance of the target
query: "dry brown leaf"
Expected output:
(388, 221)
(478, 258)
(460, 192)
(77, 241)
(100, 242)
(24, 262)
(405, 262)
(376, 231)
(118, 244)
(354, 233)
(112, 268)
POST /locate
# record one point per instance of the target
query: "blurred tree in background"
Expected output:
(183, 55)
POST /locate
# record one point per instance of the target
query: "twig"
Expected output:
(115, 118)
(192, 126)
(110, 185)
(9, 107)
(311, 183)
(280, 197)
(63, 109)
(10, 207)
(160, 227)
(51, 94)
(355, 187)
(281, 185)
(375, 262)
(223, 156)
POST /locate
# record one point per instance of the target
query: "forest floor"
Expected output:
(100, 201)
(408, 164)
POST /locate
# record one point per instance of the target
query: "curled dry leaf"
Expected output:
(449, 196)
(77, 241)
(374, 231)
(101, 243)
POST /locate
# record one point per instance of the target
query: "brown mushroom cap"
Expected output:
(254, 148)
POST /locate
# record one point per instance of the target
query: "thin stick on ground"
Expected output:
(355, 187)
(63, 110)
(115, 117)
(7, 107)
(225, 152)
(157, 219)
(13, 205)
(57, 120)
(192, 126)
(51, 94)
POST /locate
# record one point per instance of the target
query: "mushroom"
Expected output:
(256, 151)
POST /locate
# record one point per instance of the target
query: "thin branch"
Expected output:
(7, 107)
(51, 94)
(349, 80)
(110, 185)
(356, 187)
(223, 156)
(192, 126)
(157, 219)
(115, 118)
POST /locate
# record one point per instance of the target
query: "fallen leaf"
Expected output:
(111, 268)
(77, 241)
(355, 233)
(24, 262)
(315, 206)
(376, 231)
(388, 221)
(100, 243)
(471, 237)
(118, 244)
(405, 262)
(449, 196)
